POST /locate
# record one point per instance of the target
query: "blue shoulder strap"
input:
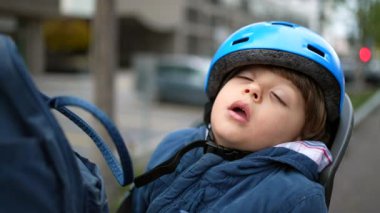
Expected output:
(123, 173)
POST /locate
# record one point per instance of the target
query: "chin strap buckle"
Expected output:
(224, 152)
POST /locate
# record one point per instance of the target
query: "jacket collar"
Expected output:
(308, 157)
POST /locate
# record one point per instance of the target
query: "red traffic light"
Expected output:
(365, 54)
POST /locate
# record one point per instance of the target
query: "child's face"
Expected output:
(257, 109)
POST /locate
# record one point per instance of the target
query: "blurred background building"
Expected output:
(198, 27)
(171, 26)
(60, 29)
(23, 20)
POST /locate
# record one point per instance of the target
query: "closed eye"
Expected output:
(279, 98)
(244, 77)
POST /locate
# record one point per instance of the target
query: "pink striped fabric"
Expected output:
(315, 150)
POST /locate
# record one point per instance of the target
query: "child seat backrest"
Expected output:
(39, 172)
(338, 148)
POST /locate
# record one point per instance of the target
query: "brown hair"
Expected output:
(315, 109)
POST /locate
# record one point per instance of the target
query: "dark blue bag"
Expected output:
(39, 171)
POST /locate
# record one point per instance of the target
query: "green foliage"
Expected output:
(359, 98)
(67, 36)
(368, 15)
(368, 19)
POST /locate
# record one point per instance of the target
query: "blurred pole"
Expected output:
(104, 54)
(103, 65)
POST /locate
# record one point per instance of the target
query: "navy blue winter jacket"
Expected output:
(275, 179)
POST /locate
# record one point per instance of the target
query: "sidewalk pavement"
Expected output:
(356, 187)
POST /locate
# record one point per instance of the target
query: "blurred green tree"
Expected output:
(368, 17)
(367, 14)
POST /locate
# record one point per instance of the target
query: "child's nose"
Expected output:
(254, 91)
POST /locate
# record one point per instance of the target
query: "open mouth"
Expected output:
(239, 111)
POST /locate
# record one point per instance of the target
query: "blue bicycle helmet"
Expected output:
(286, 45)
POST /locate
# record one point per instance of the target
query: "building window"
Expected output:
(192, 43)
(192, 15)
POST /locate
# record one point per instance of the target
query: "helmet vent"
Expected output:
(315, 50)
(241, 40)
